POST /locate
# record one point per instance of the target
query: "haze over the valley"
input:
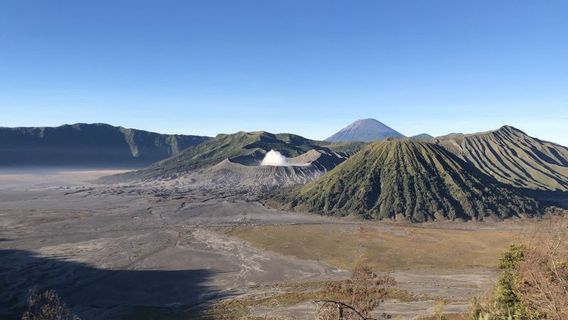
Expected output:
(224, 221)
(283, 160)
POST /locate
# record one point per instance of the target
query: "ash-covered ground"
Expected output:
(111, 249)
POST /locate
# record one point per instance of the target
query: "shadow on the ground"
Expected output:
(95, 293)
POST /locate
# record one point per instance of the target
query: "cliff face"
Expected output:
(88, 145)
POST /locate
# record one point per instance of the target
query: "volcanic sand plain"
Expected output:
(159, 251)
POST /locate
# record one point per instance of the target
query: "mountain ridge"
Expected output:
(245, 148)
(513, 157)
(423, 137)
(84, 144)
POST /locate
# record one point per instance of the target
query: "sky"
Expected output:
(306, 67)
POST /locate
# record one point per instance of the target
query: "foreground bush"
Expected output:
(47, 306)
(544, 271)
(534, 279)
(355, 298)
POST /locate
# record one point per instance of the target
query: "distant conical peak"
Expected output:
(367, 120)
(365, 130)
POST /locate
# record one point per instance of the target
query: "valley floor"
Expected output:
(152, 252)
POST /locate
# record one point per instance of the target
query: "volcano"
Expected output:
(365, 130)
(410, 180)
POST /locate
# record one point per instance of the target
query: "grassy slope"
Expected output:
(404, 178)
(512, 157)
(349, 147)
(226, 146)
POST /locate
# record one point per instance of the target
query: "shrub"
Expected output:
(47, 306)
(534, 278)
(356, 297)
(544, 271)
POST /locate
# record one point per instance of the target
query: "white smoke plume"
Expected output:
(274, 158)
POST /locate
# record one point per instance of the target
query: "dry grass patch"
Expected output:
(293, 294)
(384, 247)
(277, 296)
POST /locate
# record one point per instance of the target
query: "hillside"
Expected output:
(511, 156)
(423, 137)
(407, 179)
(239, 155)
(365, 130)
(88, 145)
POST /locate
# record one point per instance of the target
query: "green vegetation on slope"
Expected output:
(407, 179)
(346, 147)
(248, 145)
(514, 158)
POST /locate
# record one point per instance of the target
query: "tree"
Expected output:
(356, 297)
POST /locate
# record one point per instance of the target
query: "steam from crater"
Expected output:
(274, 158)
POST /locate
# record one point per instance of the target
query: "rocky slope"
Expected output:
(365, 130)
(234, 161)
(88, 145)
(231, 174)
(408, 179)
(512, 157)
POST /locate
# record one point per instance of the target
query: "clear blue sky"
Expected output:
(307, 67)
